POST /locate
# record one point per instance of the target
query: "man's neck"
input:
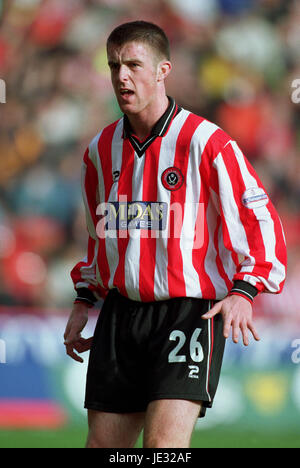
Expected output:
(143, 122)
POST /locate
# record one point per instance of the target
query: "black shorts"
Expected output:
(156, 350)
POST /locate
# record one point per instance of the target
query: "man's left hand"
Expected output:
(237, 313)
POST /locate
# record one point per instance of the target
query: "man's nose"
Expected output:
(123, 73)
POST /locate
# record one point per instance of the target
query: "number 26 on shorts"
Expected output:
(196, 350)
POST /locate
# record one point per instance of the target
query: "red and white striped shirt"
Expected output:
(192, 166)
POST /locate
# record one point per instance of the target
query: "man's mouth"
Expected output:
(126, 92)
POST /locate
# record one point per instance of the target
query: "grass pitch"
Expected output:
(74, 437)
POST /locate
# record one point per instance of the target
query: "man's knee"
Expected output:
(109, 430)
(167, 436)
(104, 441)
(170, 423)
(167, 441)
(110, 440)
(94, 443)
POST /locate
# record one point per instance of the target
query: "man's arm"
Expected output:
(84, 273)
(251, 229)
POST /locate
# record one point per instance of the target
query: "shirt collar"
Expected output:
(161, 126)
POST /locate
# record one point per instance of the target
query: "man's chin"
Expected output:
(128, 109)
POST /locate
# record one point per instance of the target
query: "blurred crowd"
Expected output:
(234, 63)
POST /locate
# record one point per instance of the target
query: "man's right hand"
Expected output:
(73, 340)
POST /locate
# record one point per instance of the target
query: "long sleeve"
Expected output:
(251, 226)
(84, 272)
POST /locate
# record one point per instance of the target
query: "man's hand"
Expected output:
(237, 313)
(73, 340)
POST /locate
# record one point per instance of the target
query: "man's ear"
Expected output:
(164, 69)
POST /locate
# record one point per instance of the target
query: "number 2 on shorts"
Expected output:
(196, 350)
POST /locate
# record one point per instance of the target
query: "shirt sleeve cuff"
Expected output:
(242, 288)
(85, 296)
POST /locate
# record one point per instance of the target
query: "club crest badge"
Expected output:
(255, 197)
(172, 178)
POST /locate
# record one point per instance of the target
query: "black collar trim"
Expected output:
(159, 129)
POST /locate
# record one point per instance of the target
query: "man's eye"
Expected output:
(114, 66)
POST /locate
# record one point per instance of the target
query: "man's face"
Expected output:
(134, 71)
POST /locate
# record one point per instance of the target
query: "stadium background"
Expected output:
(234, 63)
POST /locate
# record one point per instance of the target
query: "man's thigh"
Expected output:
(113, 430)
(170, 423)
